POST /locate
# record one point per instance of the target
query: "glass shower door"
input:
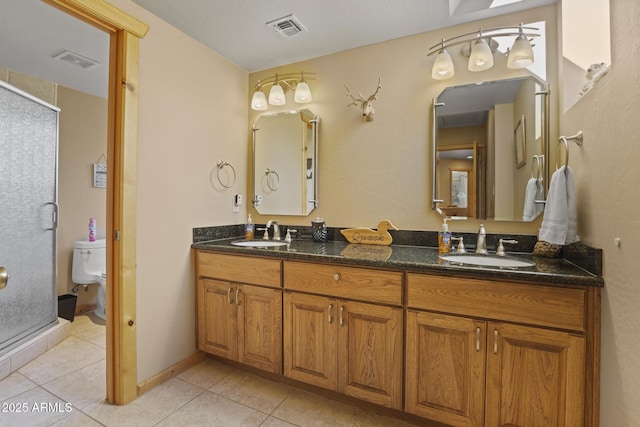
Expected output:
(28, 216)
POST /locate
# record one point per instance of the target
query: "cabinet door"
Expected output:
(217, 330)
(259, 327)
(370, 353)
(310, 339)
(535, 377)
(445, 368)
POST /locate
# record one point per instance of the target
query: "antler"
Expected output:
(374, 96)
(355, 101)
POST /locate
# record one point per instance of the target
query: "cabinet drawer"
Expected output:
(242, 269)
(537, 305)
(344, 282)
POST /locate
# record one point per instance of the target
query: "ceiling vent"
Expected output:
(77, 60)
(287, 25)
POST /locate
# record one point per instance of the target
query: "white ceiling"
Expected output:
(31, 32)
(237, 29)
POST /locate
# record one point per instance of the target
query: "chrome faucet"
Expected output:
(276, 229)
(481, 245)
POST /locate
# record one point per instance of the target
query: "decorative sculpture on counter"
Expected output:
(369, 236)
(368, 113)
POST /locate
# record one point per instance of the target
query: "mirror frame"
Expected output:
(314, 122)
(544, 138)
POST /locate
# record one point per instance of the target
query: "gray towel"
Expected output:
(559, 225)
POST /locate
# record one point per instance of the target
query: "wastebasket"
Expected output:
(67, 306)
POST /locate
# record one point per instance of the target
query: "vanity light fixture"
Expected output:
(480, 46)
(443, 65)
(282, 84)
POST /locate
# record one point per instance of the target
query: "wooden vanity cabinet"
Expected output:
(476, 352)
(240, 321)
(333, 342)
(493, 358)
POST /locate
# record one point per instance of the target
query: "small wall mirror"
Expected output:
(285, 163)
(489, 141)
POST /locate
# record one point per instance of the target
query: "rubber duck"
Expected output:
(368, 236)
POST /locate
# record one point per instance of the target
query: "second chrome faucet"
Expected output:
(481, 245)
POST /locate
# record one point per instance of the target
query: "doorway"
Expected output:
(124, 32)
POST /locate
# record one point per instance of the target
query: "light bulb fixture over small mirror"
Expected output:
(480, 46)
(281, 85)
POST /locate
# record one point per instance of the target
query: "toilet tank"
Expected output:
(89, 261)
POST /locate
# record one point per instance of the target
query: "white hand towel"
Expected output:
(560, 213)
(529, 211)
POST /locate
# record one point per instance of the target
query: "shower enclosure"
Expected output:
(28, 216)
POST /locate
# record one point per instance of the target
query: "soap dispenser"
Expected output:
(248, 230)
(444, 238)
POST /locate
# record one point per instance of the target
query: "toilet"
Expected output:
(89, 264)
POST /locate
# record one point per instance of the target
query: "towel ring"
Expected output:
(270, 173)
(563, 142)
(538, 160)
(577, 138)
(221, 165)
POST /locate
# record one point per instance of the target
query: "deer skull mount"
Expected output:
(368, 113)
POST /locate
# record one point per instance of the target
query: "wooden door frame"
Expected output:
(122, 142)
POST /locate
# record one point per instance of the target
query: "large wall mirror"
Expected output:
(489, 145)
(285, 163)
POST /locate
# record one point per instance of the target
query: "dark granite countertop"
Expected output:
(419, 259)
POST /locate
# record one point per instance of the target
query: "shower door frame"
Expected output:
(122, 142)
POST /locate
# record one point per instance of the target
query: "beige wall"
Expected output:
(41, 89)
(607, 176)
(386, 163)
(83, 140)
(192, 113)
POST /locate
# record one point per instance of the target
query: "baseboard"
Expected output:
(170, 372)
(85, 308)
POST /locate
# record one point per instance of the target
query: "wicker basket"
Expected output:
(546, 249)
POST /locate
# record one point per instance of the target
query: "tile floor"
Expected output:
(66, 387)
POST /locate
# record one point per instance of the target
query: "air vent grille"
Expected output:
(76, 59)
(287, 26)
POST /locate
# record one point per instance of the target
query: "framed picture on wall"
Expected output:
(521, 143)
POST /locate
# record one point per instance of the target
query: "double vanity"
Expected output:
(399, 327)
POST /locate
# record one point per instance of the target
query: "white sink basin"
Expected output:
(258, 243)
(487, 261)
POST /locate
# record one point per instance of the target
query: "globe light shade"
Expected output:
(259, 101)
(442, 66)
(521, 54)
(303, 93)
(481, 57)
(276, 95)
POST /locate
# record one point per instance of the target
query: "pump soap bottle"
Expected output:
(248, 230)
(444, 238)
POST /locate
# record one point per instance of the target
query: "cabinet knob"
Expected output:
(336, 276)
